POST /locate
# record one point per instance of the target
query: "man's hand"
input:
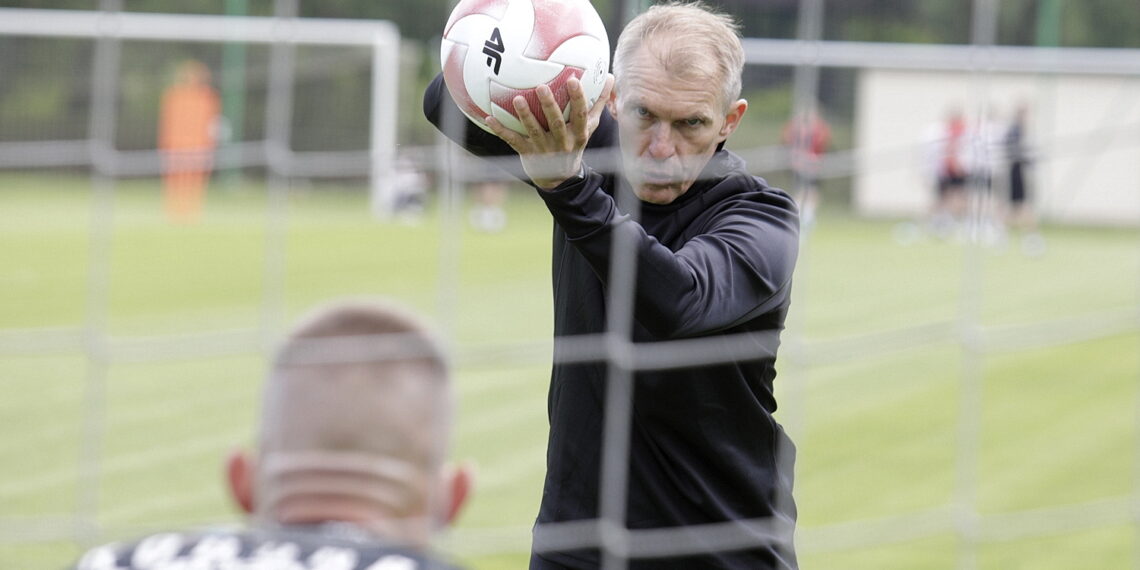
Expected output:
(551, 156)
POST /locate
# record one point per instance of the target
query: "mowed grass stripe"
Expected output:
(1060, 424)
(147, 408)
(880, 437)
(880, 430)
(158, 458)
(501, 427)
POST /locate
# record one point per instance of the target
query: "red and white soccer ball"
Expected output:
(495, 50)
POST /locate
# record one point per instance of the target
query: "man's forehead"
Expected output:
(648, 83)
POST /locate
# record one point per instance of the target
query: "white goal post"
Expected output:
(382, 36)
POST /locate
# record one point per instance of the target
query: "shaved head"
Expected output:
(357, 408)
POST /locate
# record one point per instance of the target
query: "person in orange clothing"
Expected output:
(188, 127)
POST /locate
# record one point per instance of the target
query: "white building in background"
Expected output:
(1083, 129)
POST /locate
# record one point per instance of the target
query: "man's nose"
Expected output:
(661, 142)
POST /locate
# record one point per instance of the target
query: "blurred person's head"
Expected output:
(1021, 112)
(193, 72)
(678, 71)
(355, 426)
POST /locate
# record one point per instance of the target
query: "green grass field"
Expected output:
(131, 354)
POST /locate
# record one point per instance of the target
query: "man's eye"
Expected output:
(641, 111)
(693, 122)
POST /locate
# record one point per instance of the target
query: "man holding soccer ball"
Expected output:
(716, 248)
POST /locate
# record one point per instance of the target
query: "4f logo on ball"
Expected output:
(494, 49)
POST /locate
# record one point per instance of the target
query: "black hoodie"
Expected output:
(716, 263)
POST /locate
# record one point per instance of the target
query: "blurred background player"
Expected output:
(410, 191)
(349, 472)
(488, 214)
(951, 174)
(807, 136)
(188, 131)
(1020, 216)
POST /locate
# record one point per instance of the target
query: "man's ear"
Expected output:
(457, 481)
(240, 473)
(732, 119)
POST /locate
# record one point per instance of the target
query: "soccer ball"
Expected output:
(496, 50)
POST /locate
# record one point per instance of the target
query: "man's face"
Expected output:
(668, 127)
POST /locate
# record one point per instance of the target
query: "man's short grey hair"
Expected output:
(693, 42)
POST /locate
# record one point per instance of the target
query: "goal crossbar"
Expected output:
(965, 57)
(196, 27)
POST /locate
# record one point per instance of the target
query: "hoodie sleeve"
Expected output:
(734, 263)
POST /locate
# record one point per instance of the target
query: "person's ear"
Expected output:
(240, 473)
(457, 481)
(732, 119)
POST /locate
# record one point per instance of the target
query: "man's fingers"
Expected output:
(515, 140)
(563, 133)
(578, 116)
(527, 118)
(554, 121)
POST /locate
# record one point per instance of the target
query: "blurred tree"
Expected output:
(764, 18)
(907, 21)
(1100, 23)
(420, 20)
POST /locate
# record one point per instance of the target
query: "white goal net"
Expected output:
(963, 392)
